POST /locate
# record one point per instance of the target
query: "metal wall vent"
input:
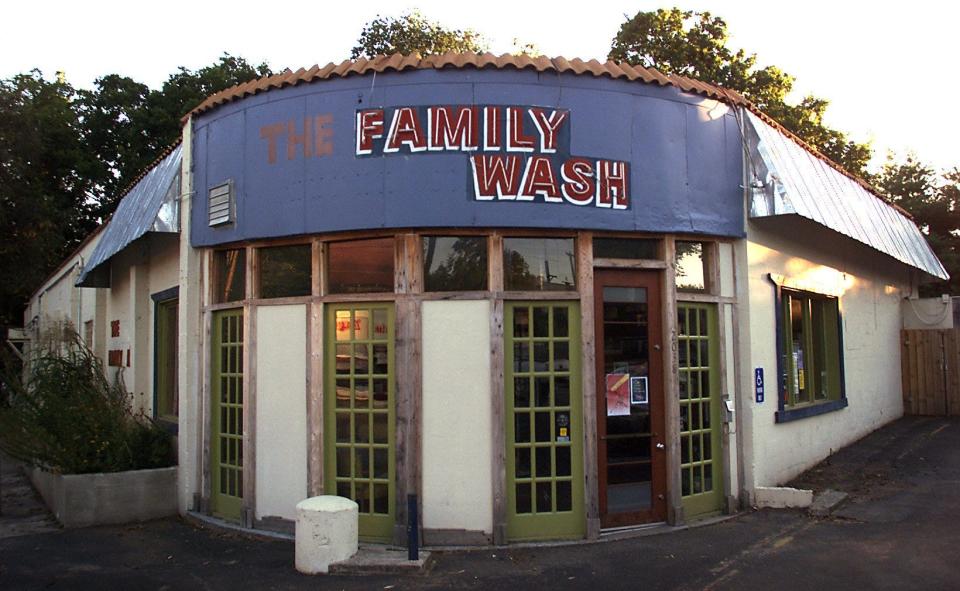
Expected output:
(221, 204)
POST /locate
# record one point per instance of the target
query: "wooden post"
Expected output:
(498, 414)
(588, 382)
(250, 394)
(408, 376)
(671, 393)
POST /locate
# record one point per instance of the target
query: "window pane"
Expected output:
(539, 264)
(285, 271)
(452, 263)
(361, 266)
(691, 270)
(230, 267)
(625, 248)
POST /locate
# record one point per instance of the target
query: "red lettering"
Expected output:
(612, 184)
(323, 135)
(406, 129)
(495, 176)
(369, 127)
(461, 135)
(305, 139)
(579, 184)
(492, 129)
(539, 179)
(271, 133)
(517, 141)
(548, 126)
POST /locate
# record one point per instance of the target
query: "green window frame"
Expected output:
(544, 421)
(701, 420)
(165, 357)
(809, 354)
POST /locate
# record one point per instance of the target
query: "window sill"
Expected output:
(169, 424)
(793, 414)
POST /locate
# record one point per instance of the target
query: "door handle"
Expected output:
(660, 446)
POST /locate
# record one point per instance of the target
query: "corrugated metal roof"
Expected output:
(796, 181)
(453, 60)
(151, 205)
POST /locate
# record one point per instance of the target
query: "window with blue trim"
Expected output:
(811, 355)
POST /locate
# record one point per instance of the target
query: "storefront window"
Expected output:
(691, 266)
(539, 264)
(455, 263)
(230, 268)
(285, 271)
(360, 266)
(625, 248)
(811, 348)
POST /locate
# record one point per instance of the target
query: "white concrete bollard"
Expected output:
(327, 532)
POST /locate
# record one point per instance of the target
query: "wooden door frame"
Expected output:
(653, 282)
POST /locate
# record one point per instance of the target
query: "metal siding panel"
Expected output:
(817, 191)
(137, 211)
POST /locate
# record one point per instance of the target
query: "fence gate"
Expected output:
(930, 362)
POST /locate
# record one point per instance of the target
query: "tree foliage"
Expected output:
(67, 154)
(694, 44)
(413, 33)
(45, 179)
(934, 203)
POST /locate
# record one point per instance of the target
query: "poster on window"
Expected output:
(638, 390)
(618, 394)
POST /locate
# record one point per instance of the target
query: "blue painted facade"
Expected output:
(683, 153)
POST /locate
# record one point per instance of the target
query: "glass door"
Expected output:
(630, 423)
(226, 414)
(359, 413)
(544, 446)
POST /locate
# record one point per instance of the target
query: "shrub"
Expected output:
(65, 416)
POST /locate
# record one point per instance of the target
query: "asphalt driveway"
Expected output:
(900, 529)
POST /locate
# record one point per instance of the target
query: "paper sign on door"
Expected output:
(618, 394)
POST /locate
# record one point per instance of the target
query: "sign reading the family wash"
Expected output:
(516, 153)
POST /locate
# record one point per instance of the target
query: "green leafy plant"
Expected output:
(65, 416)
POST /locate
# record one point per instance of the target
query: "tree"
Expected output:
(694, 44)
(413, 33)
(67, 155)
(935, 206)
(126, 125)
(44, 187)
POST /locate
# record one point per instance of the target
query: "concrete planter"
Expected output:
(79, 500)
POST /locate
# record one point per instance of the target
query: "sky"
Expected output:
(888, 69)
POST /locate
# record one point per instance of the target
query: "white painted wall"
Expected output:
(872, 287)
(281, 435)
(457, 456)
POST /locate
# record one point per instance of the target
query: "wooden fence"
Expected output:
(930, 362)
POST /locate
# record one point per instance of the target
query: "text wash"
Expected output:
(522, 152)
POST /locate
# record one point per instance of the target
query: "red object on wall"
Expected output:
(128, 357)
(114, 328)
(115, 357)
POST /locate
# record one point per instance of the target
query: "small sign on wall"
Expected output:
(758, 383)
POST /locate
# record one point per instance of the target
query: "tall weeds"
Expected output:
(65, 416)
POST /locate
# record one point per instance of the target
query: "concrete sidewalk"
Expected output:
(898, 530)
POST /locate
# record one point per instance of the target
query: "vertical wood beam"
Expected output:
(588, 380)
(498, 414)
(671, 393)
(249, 393)
(408, 376)
(495, 263)
(315, 373)
(315, 327)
